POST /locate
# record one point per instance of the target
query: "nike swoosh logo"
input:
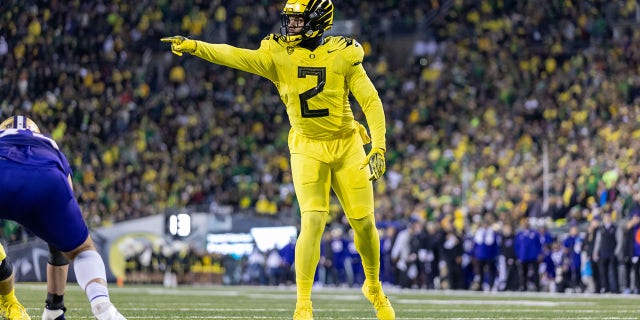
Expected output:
(329, 51)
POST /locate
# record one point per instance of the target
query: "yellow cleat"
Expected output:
(384, 310)
(13, 310)
(304, 311)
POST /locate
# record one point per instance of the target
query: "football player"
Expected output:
(314, 75)
(36, 191)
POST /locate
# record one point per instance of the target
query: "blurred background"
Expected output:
(512, 141)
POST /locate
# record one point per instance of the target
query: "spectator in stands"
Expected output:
(423, 245)
(388, 272)
(450, 253)
(287, 253)
(607, 247)
(557, 210)
(324, 274)
(589, 246)
(528, 248)
(339, 253)
(633, 255)
(429, 253)
(486, 252)
(255, 272)
(405, 255)
(507, 251)
(572, 250)
(274, 267)
(353, 264)
(629, 251)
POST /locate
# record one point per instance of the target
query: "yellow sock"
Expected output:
(367, 243)
(303, 290)
(308, 252)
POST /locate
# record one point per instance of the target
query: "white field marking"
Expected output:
(275, 296)
(212, 292)
(343, 293)
(342, 297)
(495, 302)
(349, 294)
(392, 291)
(351, 297)
(202, 317)
(360, 318)
(517, 310)
(333, 310)
(333, 291)
(215, 309)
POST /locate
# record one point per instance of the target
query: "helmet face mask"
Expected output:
(19, 122)
(317, 16)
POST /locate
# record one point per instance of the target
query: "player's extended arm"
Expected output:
(367, 96)
(253, 61)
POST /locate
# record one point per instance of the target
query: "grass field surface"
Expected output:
(156, 302)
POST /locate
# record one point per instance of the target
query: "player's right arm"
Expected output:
(253, 61)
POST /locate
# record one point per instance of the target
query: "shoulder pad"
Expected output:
(268, 42)
(339, 42)
(274, 37)
(279, 39)
(349, 41)
(354, 50)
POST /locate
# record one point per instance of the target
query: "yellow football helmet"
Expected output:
(19, 122)
(317, 16)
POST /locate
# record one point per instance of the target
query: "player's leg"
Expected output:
(355, 192)
(9, 305)
(57, 269)
(59, 222)
(91, 277)
(311, 183)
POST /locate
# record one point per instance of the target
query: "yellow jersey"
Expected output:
(314, 85)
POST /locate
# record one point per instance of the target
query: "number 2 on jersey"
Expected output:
(321, 75)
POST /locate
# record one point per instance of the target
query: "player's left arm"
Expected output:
(367, 96)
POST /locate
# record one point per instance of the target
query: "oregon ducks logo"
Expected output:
(289, 50)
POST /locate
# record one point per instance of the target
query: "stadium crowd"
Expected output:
(499, 106)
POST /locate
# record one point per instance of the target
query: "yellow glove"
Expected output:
(180, 44)
(376, 162)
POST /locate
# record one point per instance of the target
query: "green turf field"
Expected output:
(151, 302)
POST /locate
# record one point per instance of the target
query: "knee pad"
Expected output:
(56, 258)
(6, 269)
